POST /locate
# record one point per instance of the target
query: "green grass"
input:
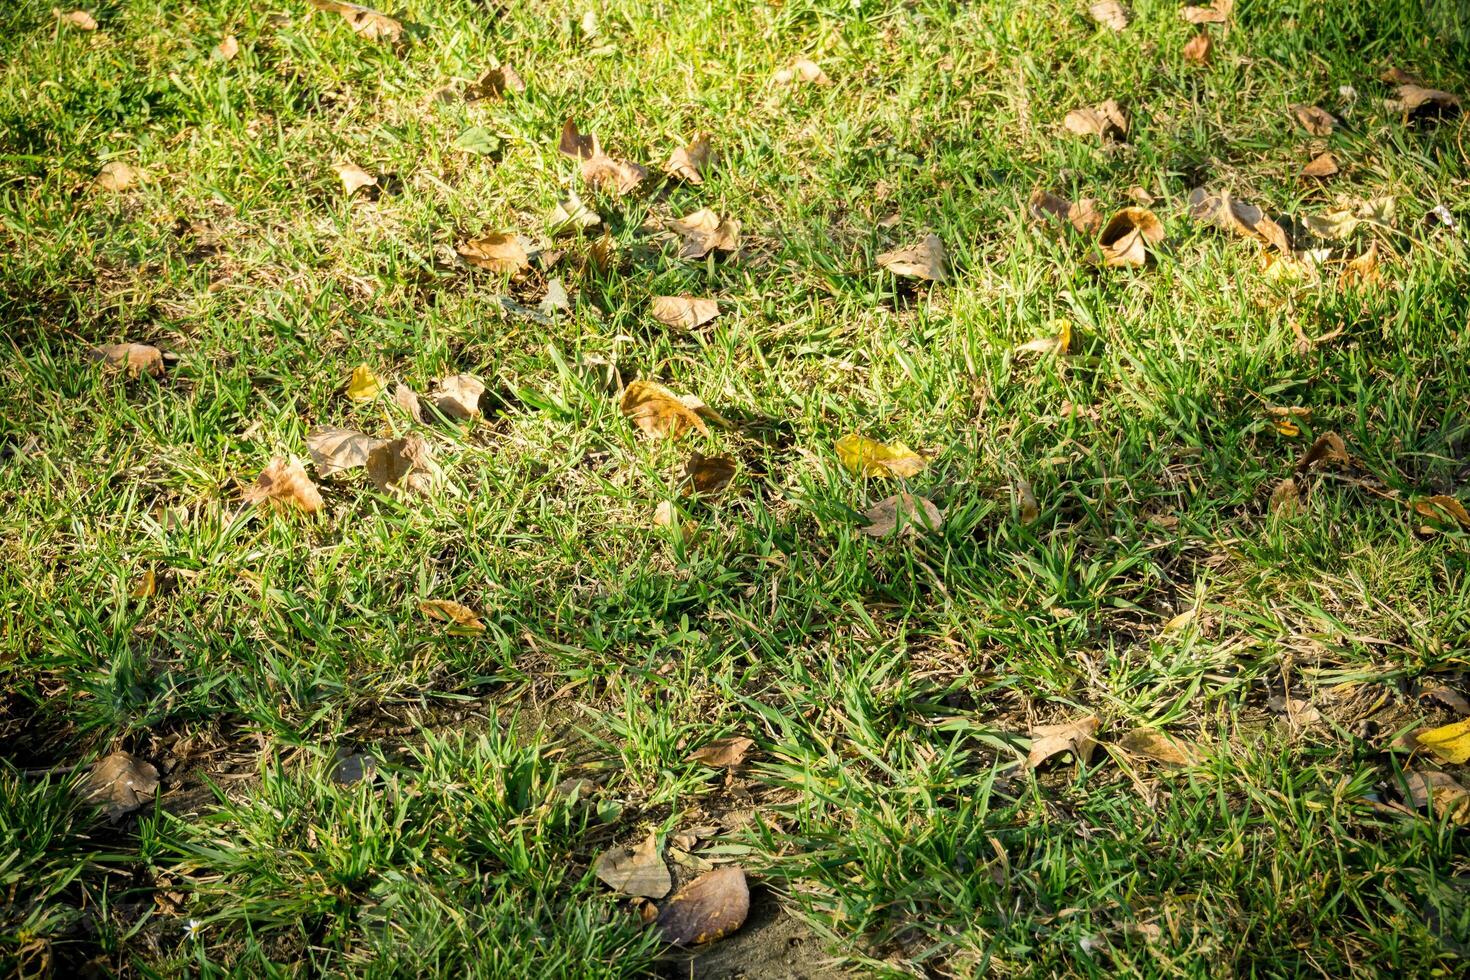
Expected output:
(887, 684)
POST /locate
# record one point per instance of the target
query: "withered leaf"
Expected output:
(1059, 343)
(688, 162)
(687, 312)
(450, 611)
(364, 385)
(1450, 743)
(571, 215)
(1322, 165)
(1083, 215)
(1237, 216)
(708, 474)
(227, 48)
(658, 412)
(723, 753)
(903, 513)
(1439, 505)
(365, 21)
(1110, 14)
(1326, 450)
(494, 84)
(1363, 270)
(703, 231)
(284, 485)
(1314, 119)
(926, 260)
(1072, 736)
(635, 871)
(502, 252)
(404, 465)
(114, 177)
(1026, 503)
(79, 19)
(869, 457)
(802, 70)
(1441, 793)
(1154, 744)
(134, 359)
(1198, 48)
(1126, 238)
(709, 908)
(1216, 12)
(1285, 497)
(354, 178)
(335, 449)
(617, 177)
(120, 783)
(458, 396)
(407, 399)
(1103, 120)
(1417, 100)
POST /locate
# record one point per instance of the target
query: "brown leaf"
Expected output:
(635, 871)
(708, 474)
(902, 513)
(120, 783)
(703, 231)
(458, 396)
(79, 19)
(494, 84)
(1322, 165)
(1447, 796)
(723, 753)
(709, 908)
(283, 485)
(1327, 450)
(1083, 215)
(1072, 736)
(1237, 216)
(1198, 48)
(227, 48)
(1417, 100)
(501, 252)
(334, 449)
(1315, 120)
(365, 21)
(147, 586)
(114, 177)
(1363, 270)
(1127, 235)
(404, 465)
(1437, 506)
(1215, 13)
(688, 162)
(575, 143)
(1160, 747)
(1397, 76)
(450, 611)
(571, 215)
(1110, 14)
(408, 400)
(687, 312)
(1103, 120)
(617, 177)
(658, 412)
(926, 260)
(135, 359)
(354, 178)
(1285, 498)
(803, 71)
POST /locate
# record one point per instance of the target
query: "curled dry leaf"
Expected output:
(1238, 217)
(1327, 450)
(284, 485)
(147, 585)
(709, 908)
(571, 215)
(134, 359)
(407, 399)
(1285, 497)
(366, 22)
(1217, 12)
(227, 48)
(354, 178)
(635, 871)
(1314, 119)
(1126, 238)
(708, 474)
(1110, 14)
(617, 177)
(869, 457)
(114, 177)
(802, 71)
(364, 385)
(723, 753)
(1441, 793)
(1322, 165)
(658, 412)
(494, 84)
(904, 513)
(1198, 49)
(1083, 215)
(1059, 343)
(687, 163)
(1026, 504)
(79, 19)
(1104, 120)
(666, 514)
(334, 449)
(1363, 270)
(449, 611)
(502, 252)
(1437, 507)
(458, 396)
(1160, 747)
(1450, 743)
(1415, 100)
(687, 312)
(926, 260)
(1072, 736)
(120, 783)
(404, 465)
(703, 231)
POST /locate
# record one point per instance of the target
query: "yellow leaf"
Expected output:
(284, 485)
(452, 612)
(1287, 427)
(365, 385)
(1449, 742)
(147, 586)
(869, 457)
(658, 412)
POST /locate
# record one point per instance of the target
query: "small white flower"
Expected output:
(192, 929)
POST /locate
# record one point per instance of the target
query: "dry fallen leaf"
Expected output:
(1237, 216)
(1285, 497)
(658, 412)
(1104, 120)
(1326, 450)
(365, 21)
(723, 753)
(147, 586)
(1126, 238)
(1322, 165)
(364, 385)
(703, 231)
(404, 465)
(450, 611)
(227, 48)
(1058, 343)
(688, 162)
(617, 177)
(709, 908)
(708, 474)
(1072, 736)
(903, 513)
(334, 449)
(1314, 119)
(408, 399)
(1363, 270)
(1215, 13)
(1448, 797)
(458, 396)
(666, 514)
(687, 312)
(635, 871)
(1449, 742)
(494, 84)
(135, 359)
(1435, 508)
(120, 783)
(1026, 503)
(869, 457)
(354, 178)
(1110, 14)
(1160, 747)
(282, 485)
(571, 215)
(1417, 100)
(926, 260)
(804, 71)
(115, 176)
(79, 19)
(1083, 215)
(502, 252)
(1198, 48)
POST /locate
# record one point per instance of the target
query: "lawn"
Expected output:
(1139, 692)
